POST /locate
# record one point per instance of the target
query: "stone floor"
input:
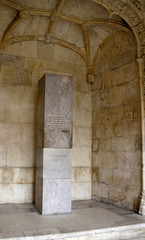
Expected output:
(23, 221)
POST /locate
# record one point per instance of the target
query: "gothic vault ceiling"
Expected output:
(79, 25)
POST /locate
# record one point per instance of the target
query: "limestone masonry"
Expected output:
(100, 44)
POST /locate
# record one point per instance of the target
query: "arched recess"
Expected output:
(116, 157)
(131, 15)
(125, 9)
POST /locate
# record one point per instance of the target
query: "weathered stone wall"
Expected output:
(116, 124)
(22, 65)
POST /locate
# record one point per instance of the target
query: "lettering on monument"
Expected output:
(59, 122)
(57, 163)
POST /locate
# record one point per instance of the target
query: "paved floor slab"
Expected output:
(21, 220)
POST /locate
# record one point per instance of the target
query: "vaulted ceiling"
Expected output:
(79, 25)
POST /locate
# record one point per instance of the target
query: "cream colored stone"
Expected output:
(82, 118)
(114, 97)
(10, 133)
(128, 160)
(98, 81)
(82, 137)
(3, 156)
(83, 174)
(82, 102)
(96, 160)
(81, 191)
(3, 112)
(21, 114)
(75, 35)
(125, 144)
(81, 156)
(117, 114)
(133, 198)
(10, 60)
(107, 81)
(80, 83)
(60, 29)
(132, 90)
(73, 174)
(102, 130)
(61, 51)
(36, 76)
(123, 59)
(116, 194)
(28, 49)
(118, 95)
(119, 76)
(28, 135)
(105, 144)
(16, 193)
(18, 96)
(65, 67)
(121, 42)
(129, 128)
(121, 177)
(13, 49)
(52, 67)
(17, 175)
(135, 180)
(75, 58)
(108, 160)
(100, 190)
(104, 116)
(95, 146)
(46, 51)
(95, 174)
(33, 63)
(24, 77)
(108, 49)
(20, 156)
(8, 76)
(105, 176)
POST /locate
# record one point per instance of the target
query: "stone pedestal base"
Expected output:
(53, 181)
(56, 196)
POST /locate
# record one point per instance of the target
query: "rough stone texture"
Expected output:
(18, 104)
(116, 124)
(115, 120)
(54, 143)
(57, 196)
(57, 122)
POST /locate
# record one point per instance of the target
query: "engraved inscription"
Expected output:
(57, 163)
(59, 122)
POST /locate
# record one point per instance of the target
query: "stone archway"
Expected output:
(134, 18)
(125, 9)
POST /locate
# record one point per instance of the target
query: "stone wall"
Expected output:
(22, 65)
(116, 124)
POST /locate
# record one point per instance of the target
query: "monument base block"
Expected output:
(53, 180)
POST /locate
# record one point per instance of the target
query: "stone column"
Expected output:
(54, 143)
(141, 83)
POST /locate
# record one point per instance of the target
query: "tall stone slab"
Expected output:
(54, 143)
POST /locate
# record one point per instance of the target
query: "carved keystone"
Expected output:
(24, 14)
(90, 78)
(55, 17)
(86, 26)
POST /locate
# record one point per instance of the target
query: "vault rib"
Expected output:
(59, 5)
(11, 27)
(86, 44)
(9, 41)
(54, 17)
(71, 47)
(11, 4)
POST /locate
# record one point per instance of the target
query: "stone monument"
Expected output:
(54, 143)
